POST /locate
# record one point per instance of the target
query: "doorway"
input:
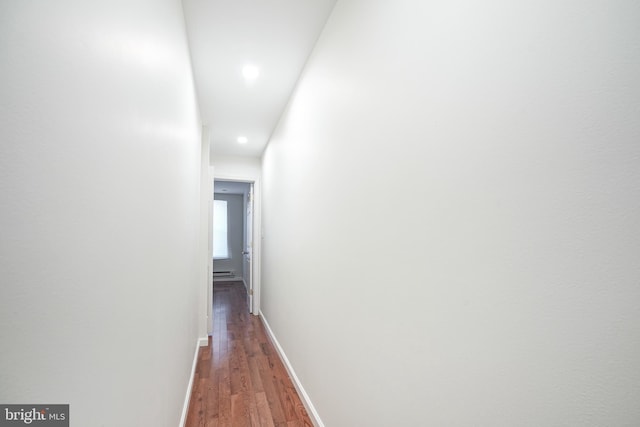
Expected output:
(232, 236)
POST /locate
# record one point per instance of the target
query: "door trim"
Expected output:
(257, 234)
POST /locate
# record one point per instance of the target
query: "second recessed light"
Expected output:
(243, 140)
(250, 72)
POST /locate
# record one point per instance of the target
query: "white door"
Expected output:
(247, 253)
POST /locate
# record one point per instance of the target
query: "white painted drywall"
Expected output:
(510, 131)
(235, 234)
(234, 166)
(205, 266)
(99, 181)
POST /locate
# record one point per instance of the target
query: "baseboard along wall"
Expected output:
(311, 410)
(202, 342)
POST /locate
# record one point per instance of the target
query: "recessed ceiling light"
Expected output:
(250, 72)
(243, 140)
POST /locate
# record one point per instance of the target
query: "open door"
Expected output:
(237, 233)
(247, 253)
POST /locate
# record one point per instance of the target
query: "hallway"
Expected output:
(240, 379)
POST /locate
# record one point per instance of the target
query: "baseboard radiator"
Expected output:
(224, 274)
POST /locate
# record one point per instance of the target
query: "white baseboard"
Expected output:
(202, 342)
(311, 410)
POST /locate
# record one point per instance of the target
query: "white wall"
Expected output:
(236, 166)
(205, 266)
(99, 182)
(511, 129)
(235, 233)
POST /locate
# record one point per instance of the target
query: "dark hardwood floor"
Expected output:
(239, 379)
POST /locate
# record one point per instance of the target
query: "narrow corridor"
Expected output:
(239, 379)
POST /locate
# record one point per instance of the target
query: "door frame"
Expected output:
(257, 238)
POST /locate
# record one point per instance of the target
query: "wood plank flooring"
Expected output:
(240, 380)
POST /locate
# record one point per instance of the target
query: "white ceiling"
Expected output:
(224, 35)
